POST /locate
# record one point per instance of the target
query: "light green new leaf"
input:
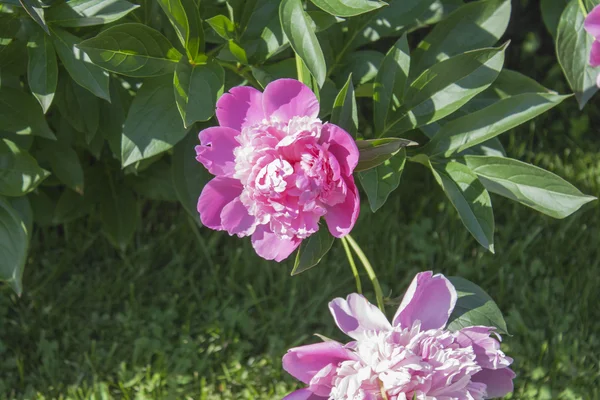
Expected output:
(133, 50)
(185, 18)
(473, 26)
(470, 198)
(19, 172)
(197, 88)
(120, 214)
(297, 27)
(344, 113)
(312, 250)
(78, 13)
(474, 307)
(390, 82)
(14, 242)
(223, 26)
(78, 64)
(153, 124)
(381, 181)
(188, 175)
(42, 68)
(376, 151)
(306, 77)
(573, 45)
(529, 185)
(20, 113)
(35, 10)
(480, 126)
(348, 8)
(446, 87)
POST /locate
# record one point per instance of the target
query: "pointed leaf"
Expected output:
(20, 113)
(312, 250)
(14, 242)
(345, 114)
(376, 151)
(19, 171)
(185, 18)
(529, 185)
(381, 181)
(64, 163)
(119, 212)
(348, 8)
(35, 10)
(78, 13)
(42, 68)
(133, 50)
(223, 26)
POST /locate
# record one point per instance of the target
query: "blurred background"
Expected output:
(189, 313)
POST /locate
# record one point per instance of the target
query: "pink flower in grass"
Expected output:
(592, 26)
(412, 358)
(278, 169)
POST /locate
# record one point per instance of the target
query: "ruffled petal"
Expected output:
(355, 315)
(342, 146)
(303, 394)
(499, 382)
(216, 150)
(429, 299)
(287, 98)
(592, 22)
(486, 348)
(595, 54)
(341, 217)
(240, 107)
(236, 220)
(270, 246)
(304, 362)
(214, 197)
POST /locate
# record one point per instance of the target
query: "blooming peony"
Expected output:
(592, 26)
(278, 169)
(412, 358)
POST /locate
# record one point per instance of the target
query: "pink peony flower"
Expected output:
(592, 26)
(412, 358)
(278, 169)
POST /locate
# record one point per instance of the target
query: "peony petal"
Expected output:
(341, 217)
(592, 22)
(429, 299)
(355, 315)
(304, 394)
(217, 194)
(270, 246)
(595, 54)
(216, 150)
(499, 382)
(304, 362)
(342, 146)
(287, 98)
(486, 348)
(240, 107)
(236, 220)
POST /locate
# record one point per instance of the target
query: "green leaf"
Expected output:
(446, 87)
(470, 198)
(312, 250)
(306, 77)
(20, 113)
(551, 11)
(42, 68)
(153, 124)
(14, 242)
(71, 206)
(238, 51)
(188, 175)
(35, 10)
(78, 13)
(112, 116)
(376, 151)
(573, 46)
(474, 307)
(480, 126)
(197, 88)
(79, 107)
(348, 8)
(296, 26)
(133, 50)
(345, 114)
(382, 180)
(119, 213)
(529, 185)
(322, 20)
(64, 163)
(390, 82)
(362, 65)
(185, 18)
(223, 26)
(473, 26)
(78, 64)
(155, 182)
(268, 73)
(19, 172)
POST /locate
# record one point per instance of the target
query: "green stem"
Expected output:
(300, 68)
(352, 265)
(582, 7)
(367, 265)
